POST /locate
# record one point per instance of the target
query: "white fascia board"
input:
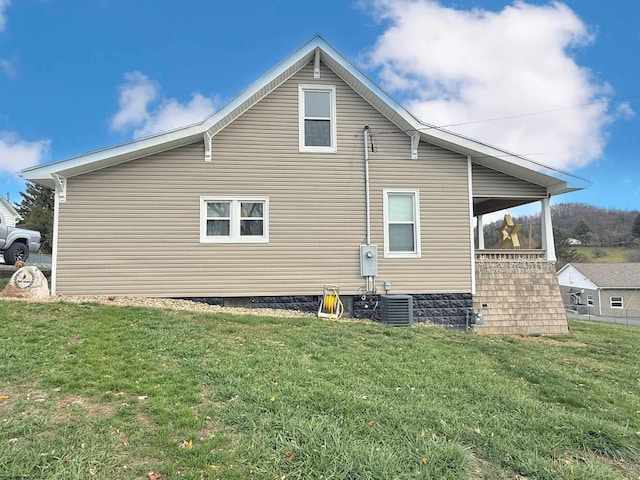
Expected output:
(262, 86)
(480, 153)
(570, 276)
(113, 155)
(183, 136)
(498, 159)
(9, 207)
(555, 181)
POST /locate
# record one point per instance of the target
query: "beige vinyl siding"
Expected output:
(631, 302)
(491, 183)
(133, 229)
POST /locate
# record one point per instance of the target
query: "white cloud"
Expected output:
(173, 114)
(16, 153)
(7, 68)
(140, 111)
(462, 66)
(135, 95)
(3, 18)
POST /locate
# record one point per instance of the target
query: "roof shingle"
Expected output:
(611, 275)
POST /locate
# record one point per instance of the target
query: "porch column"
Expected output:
(480, 231)
(547, 231)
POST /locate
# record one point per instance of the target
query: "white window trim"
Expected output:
(416, 210)
(333, 130)
(234, 227)
(621, 302)
(590, 300)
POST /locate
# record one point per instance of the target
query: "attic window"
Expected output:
(317, 118)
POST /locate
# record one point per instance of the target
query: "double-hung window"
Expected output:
(401, 223)
(616, 302)
(317, 118)
(234, 219)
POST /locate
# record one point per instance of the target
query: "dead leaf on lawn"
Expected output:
(185, 444)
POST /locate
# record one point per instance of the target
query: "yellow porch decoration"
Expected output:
(509, 233)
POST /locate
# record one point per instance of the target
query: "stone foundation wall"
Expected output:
(519, 297)
(447, 310)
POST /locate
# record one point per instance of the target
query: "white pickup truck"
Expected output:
(16, 243)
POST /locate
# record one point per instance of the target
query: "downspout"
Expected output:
(599, 302)
(370, 285)
(54, 240)
(366, 182)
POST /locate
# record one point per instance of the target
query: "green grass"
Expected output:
(612, 254)
(105, 392)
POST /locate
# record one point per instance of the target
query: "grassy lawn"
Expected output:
(106, 392)
(611, 254)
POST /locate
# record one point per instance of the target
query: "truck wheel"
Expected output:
(15, 253)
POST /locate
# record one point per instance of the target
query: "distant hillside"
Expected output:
(592, 226)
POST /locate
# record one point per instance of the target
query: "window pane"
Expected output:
(401, 208)
(317, 133)
(317, 104)
(251, 209)
(251, 228)
(218, 209)
(217, 228)
(401, 238)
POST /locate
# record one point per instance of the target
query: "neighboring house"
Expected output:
(10, 214)
(610, 289)
(311, 176)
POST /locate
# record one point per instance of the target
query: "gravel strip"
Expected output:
(173, 304)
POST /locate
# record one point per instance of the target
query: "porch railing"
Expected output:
(510, 255)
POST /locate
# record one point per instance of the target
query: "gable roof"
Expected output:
(483, 154)
(610, 275)
(10, 208)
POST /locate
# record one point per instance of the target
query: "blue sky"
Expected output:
(556, 82)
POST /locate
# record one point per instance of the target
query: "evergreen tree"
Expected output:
(565, 252)
(36, 209)
(635, 229)
(583, 231)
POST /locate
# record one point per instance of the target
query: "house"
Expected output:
(10, 214)
(610, 289)
(311, 176)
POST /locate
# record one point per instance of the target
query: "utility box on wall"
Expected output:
(368, 260)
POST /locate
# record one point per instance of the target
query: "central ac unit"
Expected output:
(397, 310)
